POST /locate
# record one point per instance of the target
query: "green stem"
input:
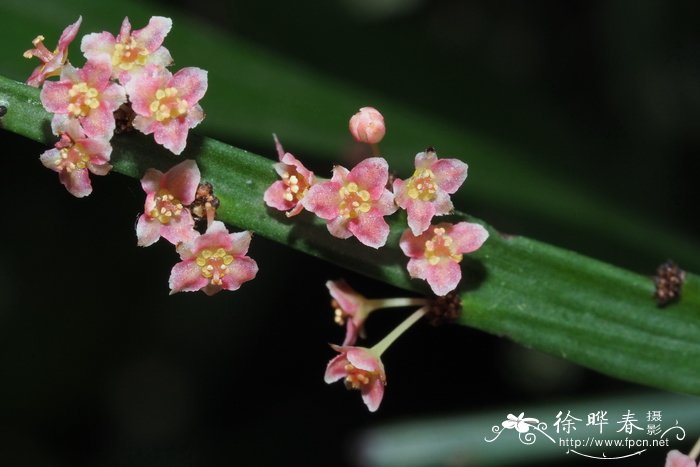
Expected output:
(379, 303)
(384, 344)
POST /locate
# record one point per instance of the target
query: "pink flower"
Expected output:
(75, 155)
(130, 52)
(362, 369)
(355, 202)
(165, 214)
(349, 306)
(213, 261)
(436, 253)
(52, 61)
(676, 459)
(166, 104)
(367, 126)
(427, 192)
(287, 193)
(86, 94)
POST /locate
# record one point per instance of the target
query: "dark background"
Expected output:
(101, 367)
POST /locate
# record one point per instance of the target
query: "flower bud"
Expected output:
(367, 125)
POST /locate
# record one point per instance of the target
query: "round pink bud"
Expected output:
(367, 125)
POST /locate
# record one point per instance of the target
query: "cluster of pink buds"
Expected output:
(361, 368)
(125, 77)
(126, 73)
(354, 203)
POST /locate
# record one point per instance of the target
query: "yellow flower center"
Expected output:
(422, 185)
(167, 105)
(214, 264)
(128, 53)
(166, 208)
(72, 158)
(82, 99)
(296, 184)
(441, 246)
(353, 201)
(358, 378)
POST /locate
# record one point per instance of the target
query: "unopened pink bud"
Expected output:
(367, 125)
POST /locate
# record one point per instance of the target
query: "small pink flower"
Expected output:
(85, 94)
(436, 253)
(349, 306)
(367, 125)
(213, 261)
(355, 202)
(52, 61)
(130, 52)
(362, 369)
(287, 193)
(165, 214)
(166, 104)
(75, 155)
(427, 192)
(676, 459)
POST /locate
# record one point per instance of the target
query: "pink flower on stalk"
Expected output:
(367, 126)
(130, 52)
(351, 307)
(75, 155)
(362, 369)
(287, 193)
(52, 61)
(213, 261)
(436, 253)
(166, 104)
(165, 214)
(676, 459)
(85, 94)
(355, 202)
(427, 192)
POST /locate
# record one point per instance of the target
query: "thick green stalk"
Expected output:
(544, 297)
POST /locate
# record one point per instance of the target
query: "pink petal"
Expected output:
(351, 332)
(442, 203)
(372, 395)
(172, 134)
(98, 149)
(467, 237)
(338, 227)
(151, 180)
(113, 96)
(96, 45)
(295, 210)
(372, 175)
(274, 197)
(179, 230)
(424, 160)
(289, 159)
(99, 123)
(385, 205)
(412, 246)
(340, 174)
(347, 298)
(186, 276)
(336, 369)
(443, 277)
(49, 158)
(182, 181)
(54, 96)
(278, 147)
(153, 34)
(364, 359)
(147, 231)
(96, 73)
(142, 89)
(125, 29)
(76, 182)
(241, 270)
(240, 242)
(676, 459)
(99, 169)
(323, 199)
(216, 236)
(370, 229)
(69, 34)
(420, 213)
(450, 174)
(191, 84)
(160, 57)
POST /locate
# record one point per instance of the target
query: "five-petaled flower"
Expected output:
(427, 192)
(86, 94)
(52, 62)
(355, 202)
(520, 423)
(75, 155)
(676, 459)
(166, 104)
(165, 214)
(362, 369)
(436, 253)
(287, 193)
(367, 126)
(213, 261)
(130, 52)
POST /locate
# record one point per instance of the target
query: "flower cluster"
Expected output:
(127, 73)
(354, 203)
